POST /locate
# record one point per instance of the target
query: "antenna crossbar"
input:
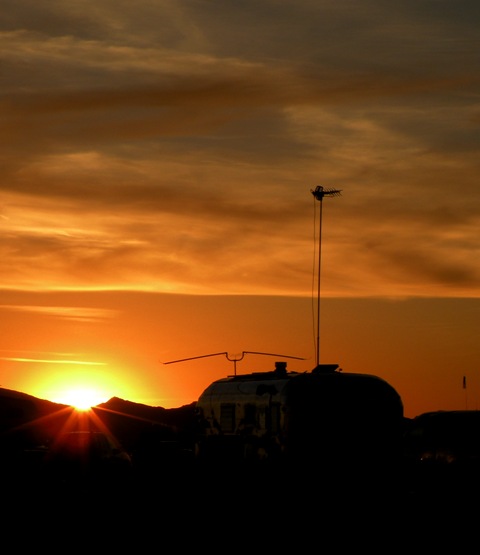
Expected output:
(233, 359)
(321, 192)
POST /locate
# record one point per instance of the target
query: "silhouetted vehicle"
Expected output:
(442, 451)
(348, 424)
(87, 455)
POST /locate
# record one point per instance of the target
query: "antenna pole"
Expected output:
(319, 193)
(318, 281)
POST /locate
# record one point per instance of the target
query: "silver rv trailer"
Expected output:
(326, 418)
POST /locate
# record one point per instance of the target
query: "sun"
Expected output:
(82, 398)
(82, 385)
(80, 389)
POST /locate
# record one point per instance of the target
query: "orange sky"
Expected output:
(156, 171)
(423, 347)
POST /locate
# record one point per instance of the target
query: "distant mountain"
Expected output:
(138, 425)
(178, 418)
(27, 421)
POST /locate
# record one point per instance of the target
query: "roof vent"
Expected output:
(325, 368)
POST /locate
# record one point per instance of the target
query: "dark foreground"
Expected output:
(183, 507)
(167, 502)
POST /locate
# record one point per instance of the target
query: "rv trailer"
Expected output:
(325, 418)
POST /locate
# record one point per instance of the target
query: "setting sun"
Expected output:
(82, 398)
(81, 386)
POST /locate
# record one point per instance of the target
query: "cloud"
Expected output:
(52, 361)
(80, 314)
(169, 147)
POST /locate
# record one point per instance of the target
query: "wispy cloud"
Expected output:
(172, 147)
(53, 361)
(68, 313)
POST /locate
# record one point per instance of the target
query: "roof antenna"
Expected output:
(319, 193)
(234, 359)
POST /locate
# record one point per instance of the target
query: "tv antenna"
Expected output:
(319, 193)
(233, 359)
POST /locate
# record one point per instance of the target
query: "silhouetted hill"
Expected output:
(142, 427)
(178, 418)
(27, 421)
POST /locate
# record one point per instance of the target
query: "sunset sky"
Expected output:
(157, 166)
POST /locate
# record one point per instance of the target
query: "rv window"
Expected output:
(227, 417)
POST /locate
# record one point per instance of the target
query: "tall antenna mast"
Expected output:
(319, 193)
